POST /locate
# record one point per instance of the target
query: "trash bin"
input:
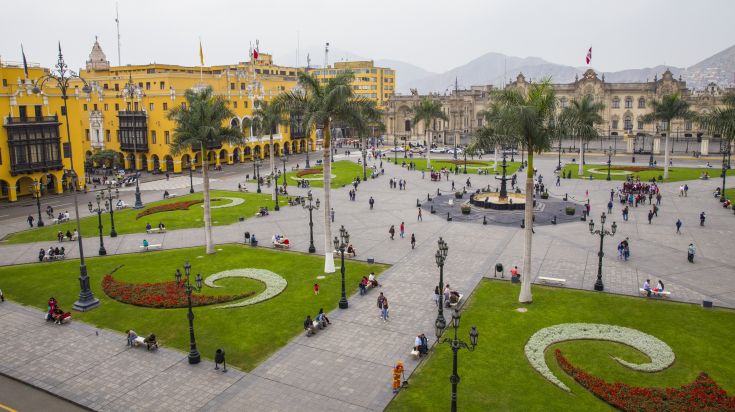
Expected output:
(219, 357)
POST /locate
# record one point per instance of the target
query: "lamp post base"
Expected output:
(113, 234)
(85, 305)
(343, 304)
(312, 249)
(40, 223)
(599, 286)
(194, 357)
(102, 251)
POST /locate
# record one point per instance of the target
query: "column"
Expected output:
(12, 194)
(705, 146)
(177, 166)
(149, 164)
(58, 186)
(230, 159)
(657, 145)
(629, 143)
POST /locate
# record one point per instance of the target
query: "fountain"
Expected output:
(499, 200)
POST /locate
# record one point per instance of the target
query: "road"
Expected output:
(17, 396)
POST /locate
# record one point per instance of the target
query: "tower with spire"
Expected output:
(97, 58)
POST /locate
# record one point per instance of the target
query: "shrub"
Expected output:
(545, 195)
(458, 195)
(304, 172)
(169, 207)
(660, 178)
(570, 210)
(466, 209)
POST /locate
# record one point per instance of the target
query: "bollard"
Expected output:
(553, 221)
(219, 357)
(418, 203)
(449, 218)
(484, 220)
(437, 192)
(523, 223)
(432, 209)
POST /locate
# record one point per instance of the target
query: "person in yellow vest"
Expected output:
(397, 375)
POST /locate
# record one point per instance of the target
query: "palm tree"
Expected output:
(582, 116)
(669, 108)
(721, 120)
(427, 111)
(199, 125)
(369, 116)
(321, 105)
(529, 117)
(269, 116)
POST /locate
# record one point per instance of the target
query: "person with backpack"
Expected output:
(383, 306)
(690, 252)
(392, 231)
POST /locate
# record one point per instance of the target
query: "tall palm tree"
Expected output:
(529, 117)
(721, 120)
(200, 124)
(269, 116)
(427, 111)
(582, 116)
(369, 116)
(321, 105)
(669, 108)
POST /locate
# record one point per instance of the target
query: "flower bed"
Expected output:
(304, 172)
(274, 284)
(634, 168)
(165, 295)
(702, 395)
(183, 205)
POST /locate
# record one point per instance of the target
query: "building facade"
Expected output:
(126, 113)
(371, 82)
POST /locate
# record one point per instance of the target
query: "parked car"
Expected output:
(397, 149)
(438, 150)
(458, 150)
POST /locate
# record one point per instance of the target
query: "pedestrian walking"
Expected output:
(681, 190)
(625, 213)
(372, 202)
(452, 184)
(331, 212)
(650, 216)
(558, 180)
(437, 294)
(686, 190)
(30, 220)
(678, 226)
(655, 210)
(402, 229)
(383, 306)
(690, 252)
(612, 193)
(701, 219)
(420, 216)
(413, 241)
(609, 206)
(392, 231)
(658, 199)
(316, 288)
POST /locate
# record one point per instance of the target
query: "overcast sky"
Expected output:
(435, 35)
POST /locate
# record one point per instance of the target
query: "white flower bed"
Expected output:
(274, 284)
(658, 351)
(234, 201)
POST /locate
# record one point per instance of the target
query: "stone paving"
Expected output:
(347, 366)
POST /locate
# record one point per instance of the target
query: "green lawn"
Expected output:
(248, 334)
(126, 222)
(498, 377)
(676, 174)
(343, 171)
(472, 165)
(730, 193)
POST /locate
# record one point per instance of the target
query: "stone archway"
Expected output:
(185, 161)
(23, 186)
(247, 152)
(156, 162)
(144, 162)
(198, 158)
(256, 151)
(222, 156)
(4, 189)
(302, 146)
(236, 155)
(276, 149)
(266, 150)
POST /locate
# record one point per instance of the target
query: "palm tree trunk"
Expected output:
(495, 160)
(525, 296)
(428, 149)
(666, 150)
(273, 168)
(207, 206)
(327, 171)
(363, 141)
(580, 172)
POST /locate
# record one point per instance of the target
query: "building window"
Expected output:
(162, 85)
(641, 103)
(232, 86)
(86, 134)
(107, 132)
(564, 103)
(117, 87)
(242, 86)
(628, 123)
(628, 102)
(117, 107)
(95, 107)
(153, 136)
(688, 125)
(151, 107)
(616, 103)
(147, 85)
(106, 107)
(5, 82)
(85, 107)
(167, 137)
(63, 111)
(615, 124)
(165, 106)
(245, 105)
(234, 105)
(640, 124)
(38, 109)
(408, 126)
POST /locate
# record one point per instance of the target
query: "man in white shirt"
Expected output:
(647, 287)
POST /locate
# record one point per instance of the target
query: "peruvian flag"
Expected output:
(589, 55)
(255, 54)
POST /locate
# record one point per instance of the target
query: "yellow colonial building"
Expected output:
(371, 82)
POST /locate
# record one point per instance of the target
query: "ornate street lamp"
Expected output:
(465, 160)
(99, 211)
(602, 232)
(36, 190)
(341, 244)
(62, 76)
(194, 356)
(275, 187)
(310, 207)
(456, 345)
(610, 153)
(725, 166)
(257, 164)
(308, 143)
(441, 257)
(111, 206)
(130, 91)
(284, 158)
(191, 177)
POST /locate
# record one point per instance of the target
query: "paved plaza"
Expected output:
(347, 367)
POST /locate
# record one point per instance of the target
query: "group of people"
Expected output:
(638, 187)
(161, 227)
(647, 287)
(368, 282)
(55, 313)
(150, 341)
(319, 322)
(51, 253)
(399, 184)
(624, 250)
(69, 235)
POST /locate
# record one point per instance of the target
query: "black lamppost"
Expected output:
(191, 177)
(36, 189)
(257, 164)
(602, 232)
(725, 166)
(609, 152)
(395, 150)
(441, 256)
(465, 160)
(558, 165)
(111, 206)
(99, 211)
(341, 244)
(284, 158)
(456, 345)
(275, 187)
(310, 207)
(308, 143)
(194, 356)
(131, 90)
(61, 75)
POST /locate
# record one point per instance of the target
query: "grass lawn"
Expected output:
(248, 334)
(498, 377)
(730, 193)
(343, 171)
(125, 220)
(676, 174)
(472, 165)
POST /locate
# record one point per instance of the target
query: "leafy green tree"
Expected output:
(323, 104)
(669, 108)
(721, 121)
(427, 111)
(529, 117)
(199, 125)
(580, 118)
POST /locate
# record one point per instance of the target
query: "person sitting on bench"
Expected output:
(131, 337)
(421, 344)
(150, 342)
(161, 227)
(309, 326)
(322, 318)
(41, 254)
(68, 235)
(351, 250)
(165, 194)
(647, 287)
(148, 227)
(372, 280)
(659, 287)
(145, 243)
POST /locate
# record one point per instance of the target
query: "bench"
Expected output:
(278, 245)
(62, 220)
(48, 258)
(552, 281)
(122, 205)
(140, 341)
(313, 331)
(156, 230)
(150, 246)
(658, 294)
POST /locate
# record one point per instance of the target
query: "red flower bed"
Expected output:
(702, 395)
(304, 172)
(165, 295)
(184, 205)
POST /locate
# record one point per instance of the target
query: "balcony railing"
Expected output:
(30, 120)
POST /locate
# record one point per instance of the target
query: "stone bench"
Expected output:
(150, 246)
(140, 341)
(659, 294)
(156, 230)
(47, 258)
(279, 245)
(56, 221)
(552, 281)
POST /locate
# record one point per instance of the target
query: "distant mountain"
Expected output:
(719, 68)
(405, 72)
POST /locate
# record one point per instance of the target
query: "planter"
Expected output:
(458, 195)
(466, 209)
(545, 195)
(569, 210)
